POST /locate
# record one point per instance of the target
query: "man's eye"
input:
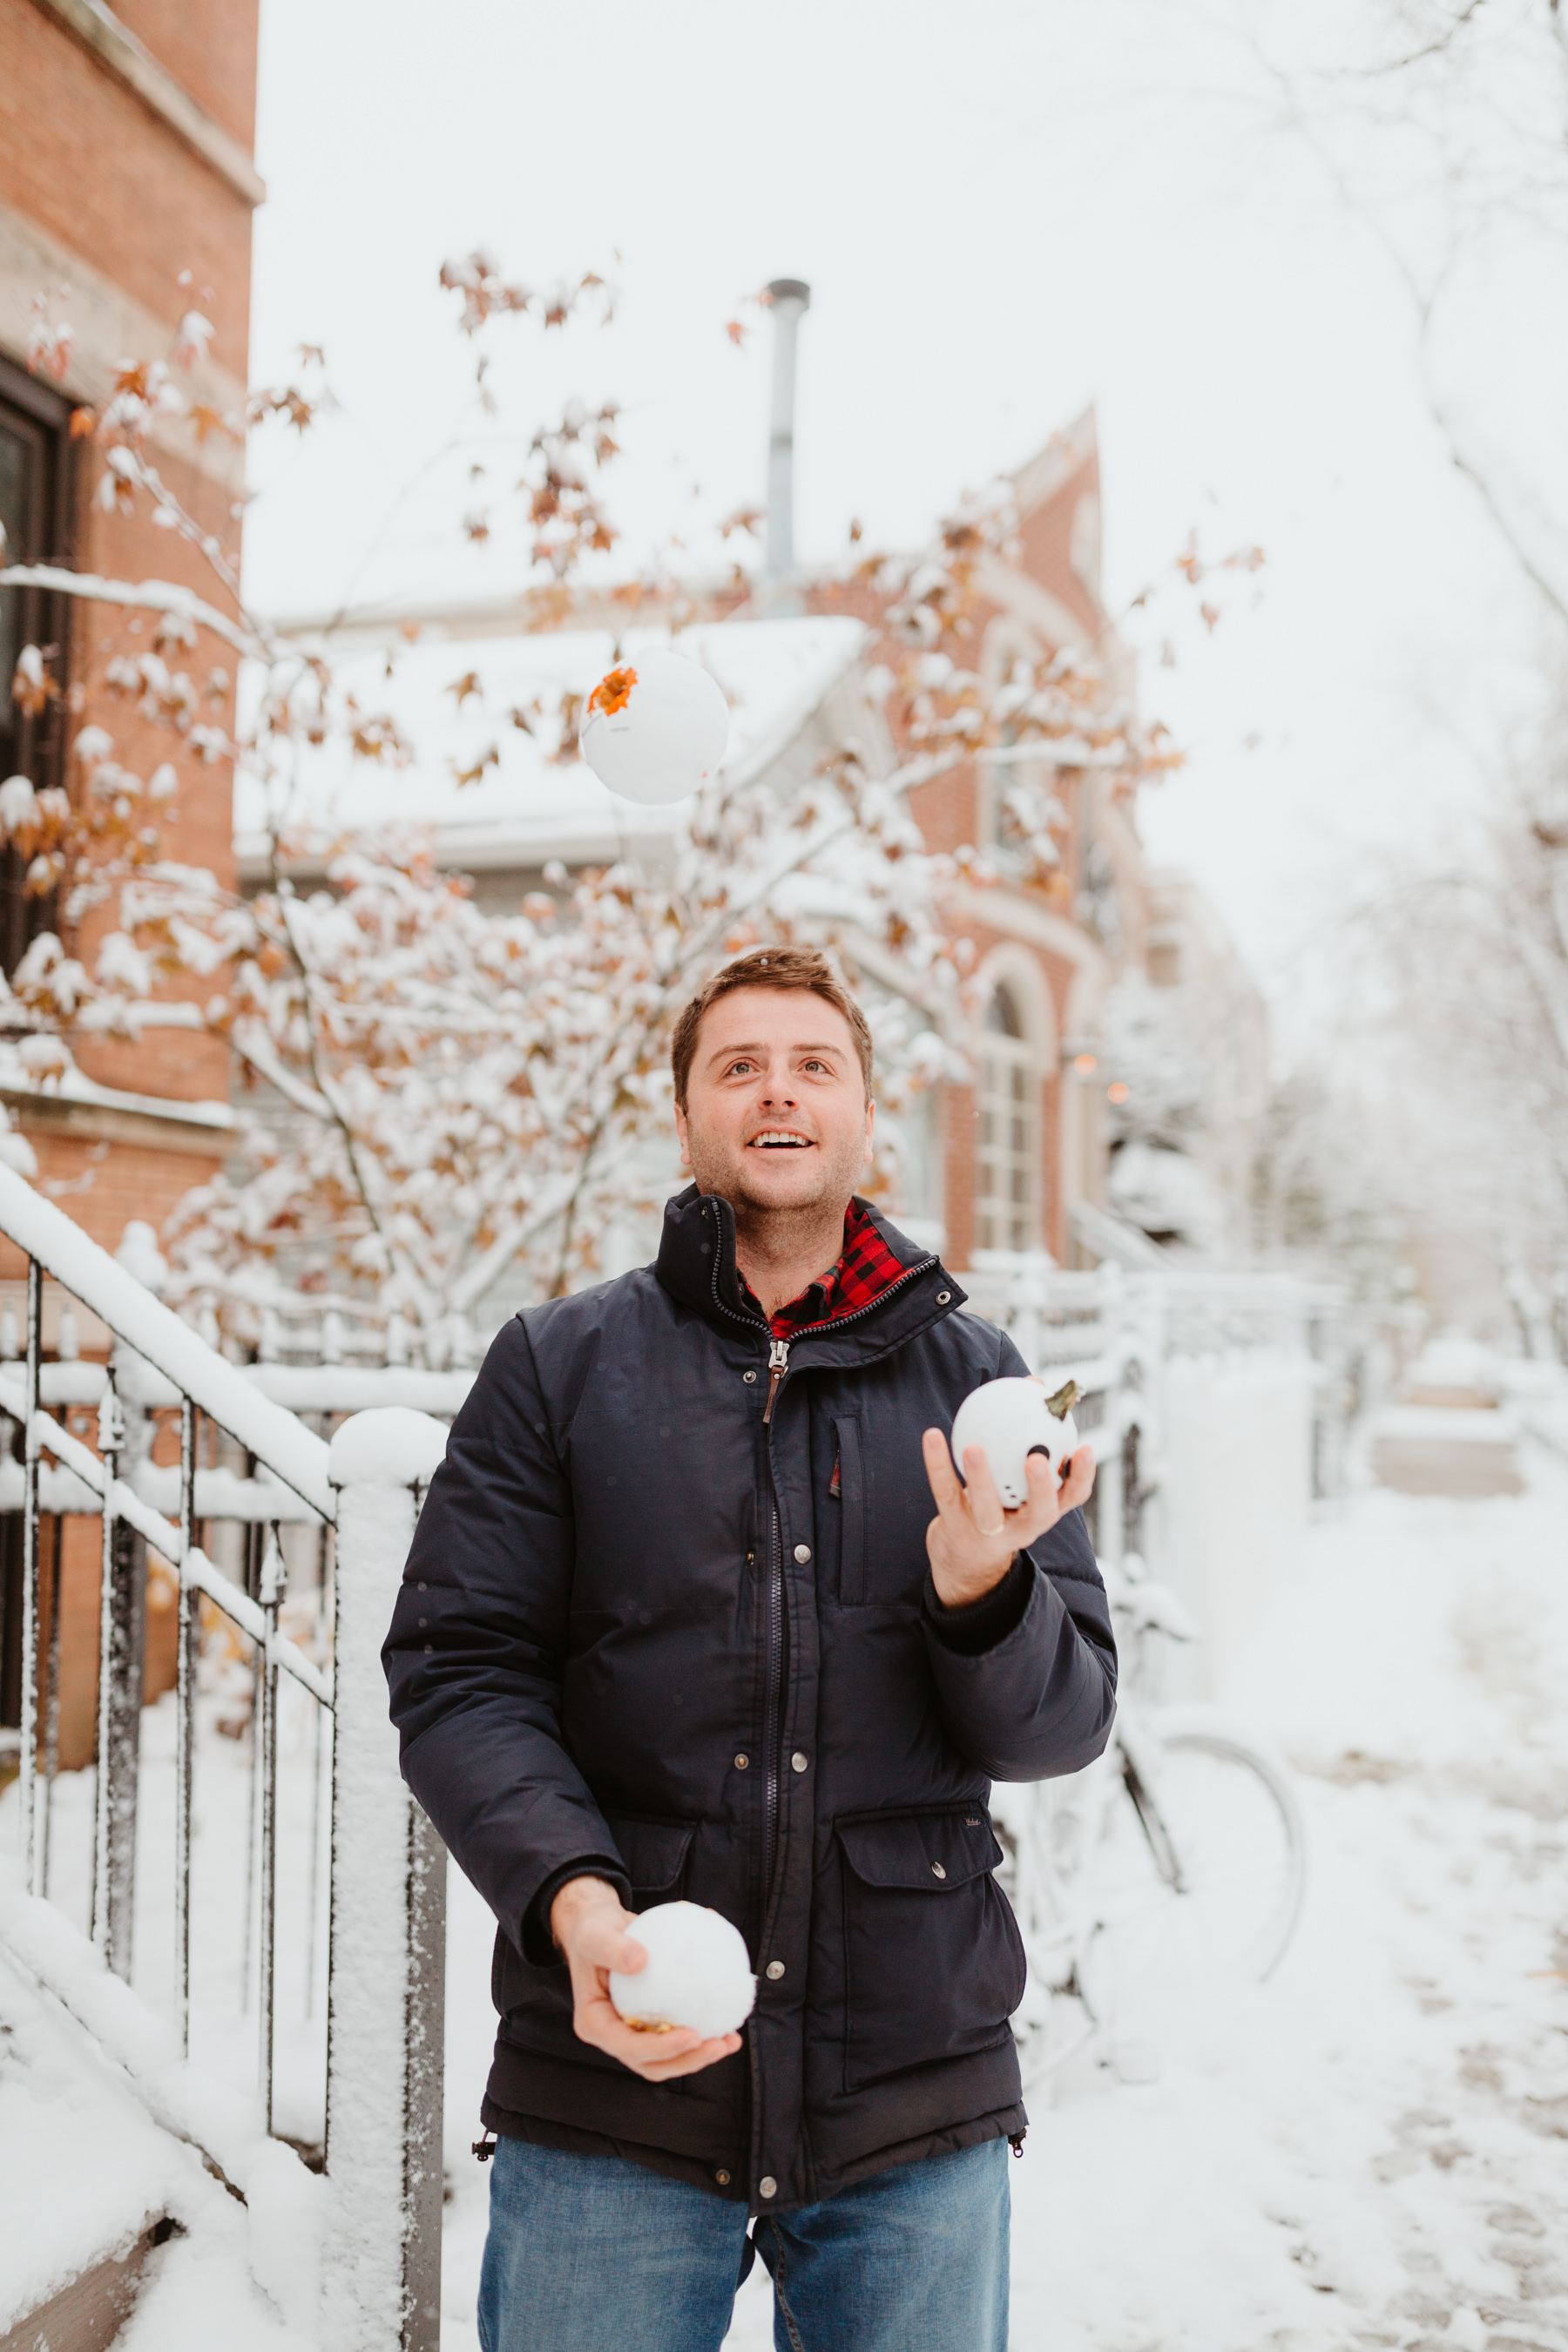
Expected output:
(739, 1070)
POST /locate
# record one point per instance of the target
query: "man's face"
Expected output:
(776, 1115)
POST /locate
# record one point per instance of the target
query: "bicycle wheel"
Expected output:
(1200, 1870)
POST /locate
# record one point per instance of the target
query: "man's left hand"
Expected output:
(972, 1540)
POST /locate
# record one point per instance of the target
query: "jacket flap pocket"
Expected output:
(933, 1851)
(654, 1852)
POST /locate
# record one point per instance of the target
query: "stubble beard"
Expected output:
(775, 1220)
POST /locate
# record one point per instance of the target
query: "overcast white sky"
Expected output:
(1005, 212)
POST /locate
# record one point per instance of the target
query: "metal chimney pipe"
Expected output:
(790, 298)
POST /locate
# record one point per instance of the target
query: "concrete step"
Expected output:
(89, 2310)
(87, 2181)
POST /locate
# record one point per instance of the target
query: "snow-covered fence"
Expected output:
(1215, 1405)
(386, 1999)
(357, 1332)
(387, 1868)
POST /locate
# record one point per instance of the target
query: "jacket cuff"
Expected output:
(981, 1625)
(538, 1944)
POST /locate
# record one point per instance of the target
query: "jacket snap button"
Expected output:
(803, 1553)
(741, 1762)
(942, 1296)
(937, 1871)
(776, 1970)
(722, 2177)
(767, 2186)
(799, 1762)
(748, 1377)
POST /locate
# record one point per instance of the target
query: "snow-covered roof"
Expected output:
(524, 807)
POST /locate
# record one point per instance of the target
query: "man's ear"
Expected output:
(870, 1128)
(683, 1137)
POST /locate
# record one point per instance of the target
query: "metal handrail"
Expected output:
(220, 1390)
(202, 1381)
(384, 1966)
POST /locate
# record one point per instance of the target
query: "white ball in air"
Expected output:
(1010, 1420)
(656, 728)
(699, 1972)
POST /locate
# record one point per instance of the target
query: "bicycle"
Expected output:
(1182, 1848)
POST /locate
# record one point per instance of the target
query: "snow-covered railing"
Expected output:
(385, 1989)
(1174, 1363)
(307, 1331)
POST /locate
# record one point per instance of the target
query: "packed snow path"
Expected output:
(1373, 2150)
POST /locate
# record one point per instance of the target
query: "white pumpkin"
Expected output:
(699, 1972)
(656, 728)
(1012, 1420)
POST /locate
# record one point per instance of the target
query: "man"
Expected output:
(678, 1623)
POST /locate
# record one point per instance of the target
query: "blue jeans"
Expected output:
(588, 2254)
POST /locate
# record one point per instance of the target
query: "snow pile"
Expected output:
(102, 2132)
(388, 1446)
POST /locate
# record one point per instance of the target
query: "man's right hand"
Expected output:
(593, 1932)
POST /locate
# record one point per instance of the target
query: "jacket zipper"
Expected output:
(774, 1597)
(778, 1365)
(772, 1701)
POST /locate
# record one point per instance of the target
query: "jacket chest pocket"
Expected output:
(933, 1962)
(883, 1500)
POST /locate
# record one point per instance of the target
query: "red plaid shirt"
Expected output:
(864, 1270)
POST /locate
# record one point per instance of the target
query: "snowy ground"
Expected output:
(1373, 2150)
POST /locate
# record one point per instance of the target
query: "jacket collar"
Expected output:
(696, 1264)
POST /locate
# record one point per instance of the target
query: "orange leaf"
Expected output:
(613, 691)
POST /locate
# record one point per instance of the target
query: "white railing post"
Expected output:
(382, 2290)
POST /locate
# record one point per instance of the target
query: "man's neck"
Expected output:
(783, 1252)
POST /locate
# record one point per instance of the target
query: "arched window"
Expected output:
(1007, 1175)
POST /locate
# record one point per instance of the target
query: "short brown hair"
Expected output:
(805, 968)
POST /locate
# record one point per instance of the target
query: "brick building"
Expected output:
(1016, 1161)
(1016, 1153)
(126, 195)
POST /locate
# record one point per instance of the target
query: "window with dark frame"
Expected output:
(34, 508)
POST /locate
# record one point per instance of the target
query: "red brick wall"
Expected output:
(948, 815)
(84, 158)
(209, 47)
(110, 1183)
(102, 174)
(1046, 533)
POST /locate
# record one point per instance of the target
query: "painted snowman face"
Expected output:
(656, 728)
(1011, 1419)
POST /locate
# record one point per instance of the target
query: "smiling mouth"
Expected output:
(779, 1138)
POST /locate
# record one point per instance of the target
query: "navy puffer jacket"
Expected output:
(647, 1629)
